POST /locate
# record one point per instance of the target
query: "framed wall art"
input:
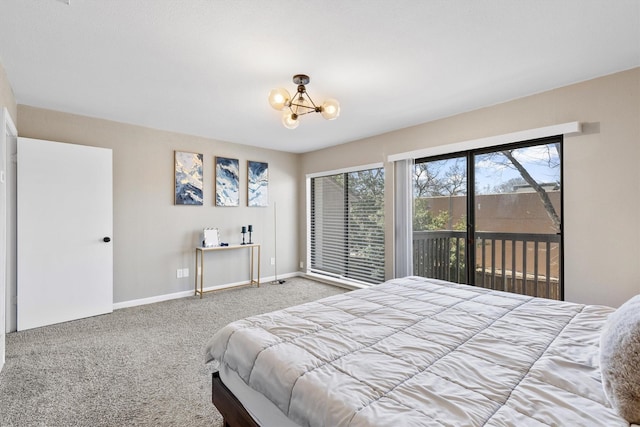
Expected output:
(227, 182)
(257, 184)
(188, 178)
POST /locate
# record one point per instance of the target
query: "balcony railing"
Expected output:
(523, 263)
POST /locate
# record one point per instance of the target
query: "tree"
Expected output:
(425, 179)
(424, 219)
(508, 186)
(440, 178)
(433, 179)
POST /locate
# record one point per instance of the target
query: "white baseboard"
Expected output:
(190, 293)
(341, 283)
(151, 300)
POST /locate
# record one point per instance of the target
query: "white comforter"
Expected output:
(422, 352)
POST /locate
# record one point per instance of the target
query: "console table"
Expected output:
(253, 280)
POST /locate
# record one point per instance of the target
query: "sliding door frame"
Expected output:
(469, 155)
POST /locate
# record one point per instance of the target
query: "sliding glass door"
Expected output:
(492, 218)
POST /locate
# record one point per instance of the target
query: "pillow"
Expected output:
(620, 359)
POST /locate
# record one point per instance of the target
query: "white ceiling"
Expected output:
(205, 67)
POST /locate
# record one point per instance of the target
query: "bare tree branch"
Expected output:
(548, 206)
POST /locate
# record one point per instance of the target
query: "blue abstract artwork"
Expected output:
(257, 184)
(188, 177)
(227, 182)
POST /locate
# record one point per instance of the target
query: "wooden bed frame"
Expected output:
(233, 413)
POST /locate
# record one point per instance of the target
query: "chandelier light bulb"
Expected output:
(330, 109)
(290, 120)
(279, 98)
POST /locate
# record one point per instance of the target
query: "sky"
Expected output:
(541, 161)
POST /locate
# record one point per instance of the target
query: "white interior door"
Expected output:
(65, 221)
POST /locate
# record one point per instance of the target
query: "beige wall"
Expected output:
(7, 99)
(601, 174)
(152, 237)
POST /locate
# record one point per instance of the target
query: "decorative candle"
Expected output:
(244, 229)
(250, 228)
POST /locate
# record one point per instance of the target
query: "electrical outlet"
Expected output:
(301, 264)
(185, 272)
(273, 261)
(179, 273)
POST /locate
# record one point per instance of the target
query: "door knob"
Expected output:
(106, 239)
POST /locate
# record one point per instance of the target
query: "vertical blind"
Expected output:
(347, 225)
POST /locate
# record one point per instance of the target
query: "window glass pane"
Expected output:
(439, 221)
(518, 220)
(347, 225)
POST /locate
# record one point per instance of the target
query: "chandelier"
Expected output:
(301, 103)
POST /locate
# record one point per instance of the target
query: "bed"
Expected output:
(414, 352)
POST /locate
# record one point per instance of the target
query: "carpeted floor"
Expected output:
(137, 366)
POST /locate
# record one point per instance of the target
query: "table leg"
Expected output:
(258, 266)
(251, 265)
(195, 275)
(201, 273)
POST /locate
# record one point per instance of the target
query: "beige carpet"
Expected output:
(140, 366)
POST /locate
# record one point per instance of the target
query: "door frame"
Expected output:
(8, 135)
